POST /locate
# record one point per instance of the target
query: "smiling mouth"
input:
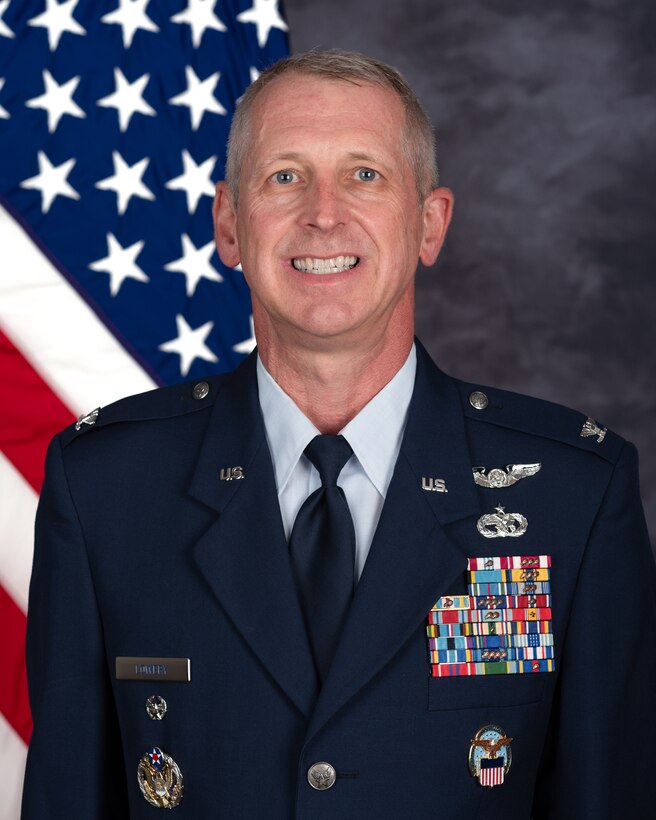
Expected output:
(337, 264)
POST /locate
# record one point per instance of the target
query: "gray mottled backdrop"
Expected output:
(545, 119)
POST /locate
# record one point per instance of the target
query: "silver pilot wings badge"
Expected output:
(498, 478)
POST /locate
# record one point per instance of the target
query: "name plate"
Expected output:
(173, 669)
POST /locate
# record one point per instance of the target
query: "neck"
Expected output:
(332, 383)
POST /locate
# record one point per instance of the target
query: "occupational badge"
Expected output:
(591, 428)
(490, 755)
(501, 524)
(156, 707)
(497, 478)
(160, 779)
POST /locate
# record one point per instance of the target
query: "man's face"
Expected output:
(328, 228)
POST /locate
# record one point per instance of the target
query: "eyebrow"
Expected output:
(295, 156)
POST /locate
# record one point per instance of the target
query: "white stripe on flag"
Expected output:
(57, 331)
(12, 765)
(17, 512)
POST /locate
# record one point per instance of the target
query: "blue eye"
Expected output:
(284, 177)
(367, 174)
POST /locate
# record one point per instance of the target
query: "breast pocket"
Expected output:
(475, 691)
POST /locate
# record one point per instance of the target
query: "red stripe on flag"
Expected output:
(30, 414)
(14, 703)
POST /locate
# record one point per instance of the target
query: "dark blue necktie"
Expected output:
(322, 550)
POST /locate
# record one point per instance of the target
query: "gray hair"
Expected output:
(347, 66)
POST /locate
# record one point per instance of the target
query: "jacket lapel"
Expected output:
(412, 560)
(243, 556)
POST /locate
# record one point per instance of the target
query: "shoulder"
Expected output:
(537, 417)
(163, 403)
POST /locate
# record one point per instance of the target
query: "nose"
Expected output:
(324, 208)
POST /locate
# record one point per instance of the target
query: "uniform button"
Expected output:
(321, 776)
(478, 400)
(201, 390)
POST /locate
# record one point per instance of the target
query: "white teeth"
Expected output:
(335, 265)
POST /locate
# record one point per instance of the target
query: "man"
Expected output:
(444, 606)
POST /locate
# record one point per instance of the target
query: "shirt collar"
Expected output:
(374, 434)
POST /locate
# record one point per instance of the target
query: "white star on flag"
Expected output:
(128, 99)
(194, 264)
(5, 31)
(248, 345)
(195, 181)
(58, 18)
(265, 15)
(51, 181)
(126, 181)
(4, 114)
(57, 100)
(200, 16)
(189, 344)
(199, 96)
(120, 263)
(131, 16)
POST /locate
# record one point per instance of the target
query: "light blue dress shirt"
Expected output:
(374, 434)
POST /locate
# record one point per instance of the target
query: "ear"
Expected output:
(225, 226)
(438, 207)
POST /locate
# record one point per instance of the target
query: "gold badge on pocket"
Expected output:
(160, 779)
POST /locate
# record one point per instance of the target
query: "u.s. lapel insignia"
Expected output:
(501, 524)
(591, 428)
(160, 779)
(231, 473)
(434, 485)
(490, 756)
(497, 478)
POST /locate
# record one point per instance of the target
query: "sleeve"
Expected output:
(598, 761)
(75, 764)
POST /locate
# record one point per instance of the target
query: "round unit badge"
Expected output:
(490, 756)
(160, 779)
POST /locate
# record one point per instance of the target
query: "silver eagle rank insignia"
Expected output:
(87, 418)
(591, 428)
(497, 478)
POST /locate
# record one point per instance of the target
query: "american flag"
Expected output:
(114, 116)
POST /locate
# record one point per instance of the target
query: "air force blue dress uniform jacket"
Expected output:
(150, 544)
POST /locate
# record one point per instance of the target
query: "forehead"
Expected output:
(297, 106)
